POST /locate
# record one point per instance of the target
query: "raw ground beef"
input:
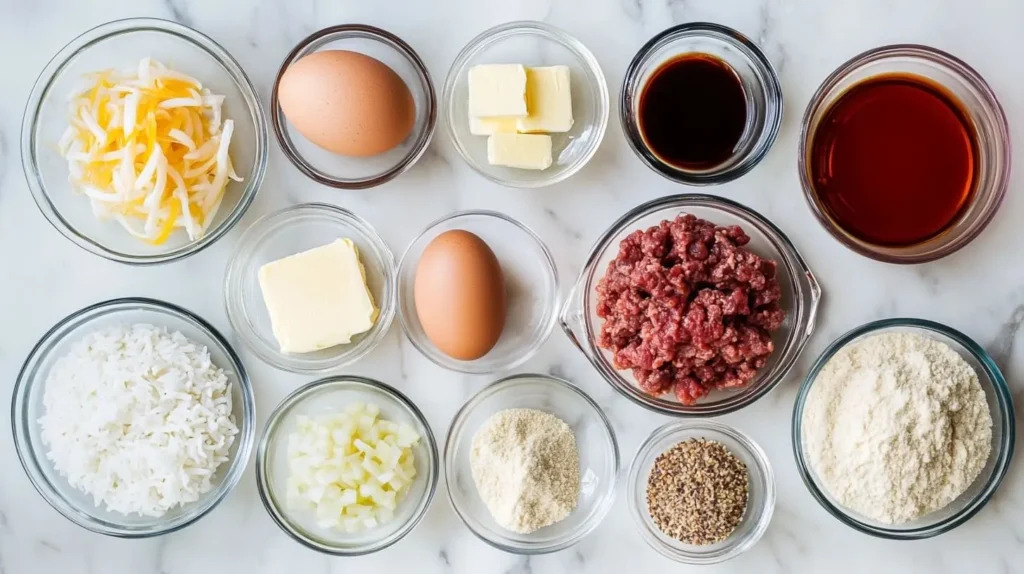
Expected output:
(688, 309)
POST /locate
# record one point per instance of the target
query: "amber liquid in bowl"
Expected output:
(894, 160)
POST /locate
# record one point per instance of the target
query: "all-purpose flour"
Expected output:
(897, 426)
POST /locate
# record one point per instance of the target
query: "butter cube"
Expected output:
(497, 90)
(318, 298)
(488, 126)
(548, 99)
(524, 151)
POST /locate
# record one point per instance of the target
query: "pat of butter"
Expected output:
(318, 298)
(488, 126)
(497, 90)
(549, 100)
(524, 151)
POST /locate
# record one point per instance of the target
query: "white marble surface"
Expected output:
(979, 290)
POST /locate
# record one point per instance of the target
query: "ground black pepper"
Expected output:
(697, 491)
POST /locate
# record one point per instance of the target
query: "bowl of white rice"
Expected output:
(133, 417)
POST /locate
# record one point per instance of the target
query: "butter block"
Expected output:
(497, 90)
(523, 151)
(318, 298)
(488, 126)
(548, 99)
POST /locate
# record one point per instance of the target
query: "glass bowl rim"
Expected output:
(956, 67)
(549, 32)
(399, 45)
(772, 87)
(344, 382)
(232, 283)
(1003, 412)
(471, 367)
(503, 384)
(764, 470)
(800, 273)
(27, 379)
(55, 68)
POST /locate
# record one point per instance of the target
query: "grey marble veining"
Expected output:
(979, 290)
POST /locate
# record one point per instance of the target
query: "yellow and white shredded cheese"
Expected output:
(148, 147)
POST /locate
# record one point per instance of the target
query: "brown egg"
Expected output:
(460, 295)
(347, 103)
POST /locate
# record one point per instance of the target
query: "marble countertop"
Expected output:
(979, 290)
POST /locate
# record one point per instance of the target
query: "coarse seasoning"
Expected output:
(526, 467)
(697, 492)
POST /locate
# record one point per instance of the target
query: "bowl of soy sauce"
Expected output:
(701, 104)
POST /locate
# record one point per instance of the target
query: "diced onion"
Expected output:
(351, 468)
(149, 149)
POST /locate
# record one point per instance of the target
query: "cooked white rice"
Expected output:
(139, 418)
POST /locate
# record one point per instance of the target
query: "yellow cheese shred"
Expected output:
(148, 147)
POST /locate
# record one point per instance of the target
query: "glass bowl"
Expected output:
(343, 172)
(984, 112)
(595, 439)
(27, 407)
(120, 44)
(287, 232)
(980, 492)
(531, 44)
(801, 296)
(531, 290)
(327, 396)
(760, 85)
(760, 502)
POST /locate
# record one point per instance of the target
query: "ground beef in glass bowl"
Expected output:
(693, 305)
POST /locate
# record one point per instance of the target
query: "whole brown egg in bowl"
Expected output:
(353, 106)
(692, 305)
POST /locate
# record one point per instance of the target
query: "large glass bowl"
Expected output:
(27, 408)
(985, 114)
(329, 396)
(121, 44)
(1000, 404)
(800, 298)
(531, 44)
(760, 501)
(598, 452)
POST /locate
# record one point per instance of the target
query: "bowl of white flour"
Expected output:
(903, 428)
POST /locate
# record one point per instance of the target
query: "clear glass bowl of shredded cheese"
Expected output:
(308, 496)
(598, 460)
(28, 407)
(143, 141)
(981, 490)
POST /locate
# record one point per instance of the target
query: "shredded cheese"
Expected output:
(148, 148)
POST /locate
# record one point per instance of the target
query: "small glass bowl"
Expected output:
(598, 451)
(969, 503)
(27, 408)
(801, 296)
(343, 172)
(531, 290)
(760, 502)
(760, 85)
(531, 44)
(984, 111)
(120, 44)
(287, 232)
(327, 396)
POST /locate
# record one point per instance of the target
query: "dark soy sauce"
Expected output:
(693, 111)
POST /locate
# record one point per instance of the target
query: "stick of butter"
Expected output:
(488, 126)
(318, 298)
(549, 100)
(524, 151)
(497, 90)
